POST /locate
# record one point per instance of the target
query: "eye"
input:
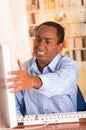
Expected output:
(48, 41)
(38, 39)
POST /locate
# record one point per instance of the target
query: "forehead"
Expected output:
(46, 30)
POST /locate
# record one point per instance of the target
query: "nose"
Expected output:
(41, 43)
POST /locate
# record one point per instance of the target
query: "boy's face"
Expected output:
(46, 45)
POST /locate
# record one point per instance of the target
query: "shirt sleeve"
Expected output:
(62, 81)
(20, 105)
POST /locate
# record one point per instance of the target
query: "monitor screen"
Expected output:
(7, 99)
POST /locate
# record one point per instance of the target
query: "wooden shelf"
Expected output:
(72, 18)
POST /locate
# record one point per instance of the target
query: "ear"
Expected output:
(60, 46)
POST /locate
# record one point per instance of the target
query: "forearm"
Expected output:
(37, 82)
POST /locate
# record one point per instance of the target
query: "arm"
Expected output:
(22, 80)
(49, 84)
(62, 81)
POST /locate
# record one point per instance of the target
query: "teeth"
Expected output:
(41, 53)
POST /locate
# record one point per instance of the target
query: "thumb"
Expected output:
(21, 66)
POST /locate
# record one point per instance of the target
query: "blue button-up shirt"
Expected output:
(58, 92)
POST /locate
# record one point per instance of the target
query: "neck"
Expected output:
(40, 66)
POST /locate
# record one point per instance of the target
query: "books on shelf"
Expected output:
(66, 4)
(83, 54)
(84, 29)
(70, 42)
(84, 41)
(75, 29)
(78, 42)
(49, 4)
(32, 5)
(69, 54)
(81, 3)
(75, 46)
(72, 16)
(81, 14)
(32, 31)
(77, 55)
(34, 18)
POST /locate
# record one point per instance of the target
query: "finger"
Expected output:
(14, 72)
(15, 79)
(15, 90)
(10, 86)
(21, 66)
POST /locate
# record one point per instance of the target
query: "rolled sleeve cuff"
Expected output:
(44, 89)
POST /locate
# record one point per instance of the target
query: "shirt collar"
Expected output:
(51, 66)
(54, 62)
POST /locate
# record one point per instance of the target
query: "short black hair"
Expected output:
(59, 28)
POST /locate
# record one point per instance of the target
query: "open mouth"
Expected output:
(41, 53)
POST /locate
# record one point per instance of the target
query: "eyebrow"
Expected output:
(37, 36)
(46, 38)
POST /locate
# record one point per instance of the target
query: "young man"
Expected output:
(47, 83)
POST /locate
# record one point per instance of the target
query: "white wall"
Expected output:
(13, 29)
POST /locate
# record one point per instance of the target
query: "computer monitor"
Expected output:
(8, 116)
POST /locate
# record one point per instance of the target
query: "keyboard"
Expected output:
(52, 118)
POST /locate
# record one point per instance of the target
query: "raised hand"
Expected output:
(22, 80)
